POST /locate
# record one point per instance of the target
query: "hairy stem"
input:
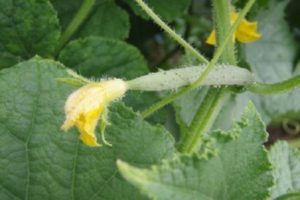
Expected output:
(214, 100)
(171, 32)
(204, 119)
(209, 67)
(176, 78)
(221, 13)
(78, 19)
(284, 86)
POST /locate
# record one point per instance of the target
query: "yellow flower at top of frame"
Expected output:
(84, 107)
(245, 33)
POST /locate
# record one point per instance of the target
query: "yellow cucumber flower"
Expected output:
(84, 107)
(245, 33)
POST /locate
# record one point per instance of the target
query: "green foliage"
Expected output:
(241, 165)
(257, 7)
(271, 60)
(106, 19)
(28, 27)
(37, 34)
(65, 10)
(167, 9)
(39, 161)
(186, 107)
(98, 57)
(286, 169)
(7, 59)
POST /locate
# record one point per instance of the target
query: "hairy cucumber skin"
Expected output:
(172, 79)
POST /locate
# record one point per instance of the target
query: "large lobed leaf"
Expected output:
(39, 161)
(28, 27)
(98, 57)
(240, 170)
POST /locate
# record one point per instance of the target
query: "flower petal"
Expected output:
(67, 124)
(211, 38)
(89, 140)
(84, 107)
(86, 125)
(247, 32)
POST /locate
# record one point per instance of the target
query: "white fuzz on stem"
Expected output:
(172, 79)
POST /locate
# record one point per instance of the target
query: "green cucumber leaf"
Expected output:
(108, 20)
(98, 57)
(286, 169)
(66, 10)
(186, 107)
(289, 196)
(28, 27)
(240, 170)
(105, 18)
(39, 161)
(7, 59)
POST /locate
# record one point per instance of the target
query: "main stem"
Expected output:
(204, 119)
(214, 100)
(78, 19)
(221, 11)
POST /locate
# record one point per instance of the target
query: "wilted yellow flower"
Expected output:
(84, 107)
(246, 31)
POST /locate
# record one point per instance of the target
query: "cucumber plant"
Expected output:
(84, 116)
